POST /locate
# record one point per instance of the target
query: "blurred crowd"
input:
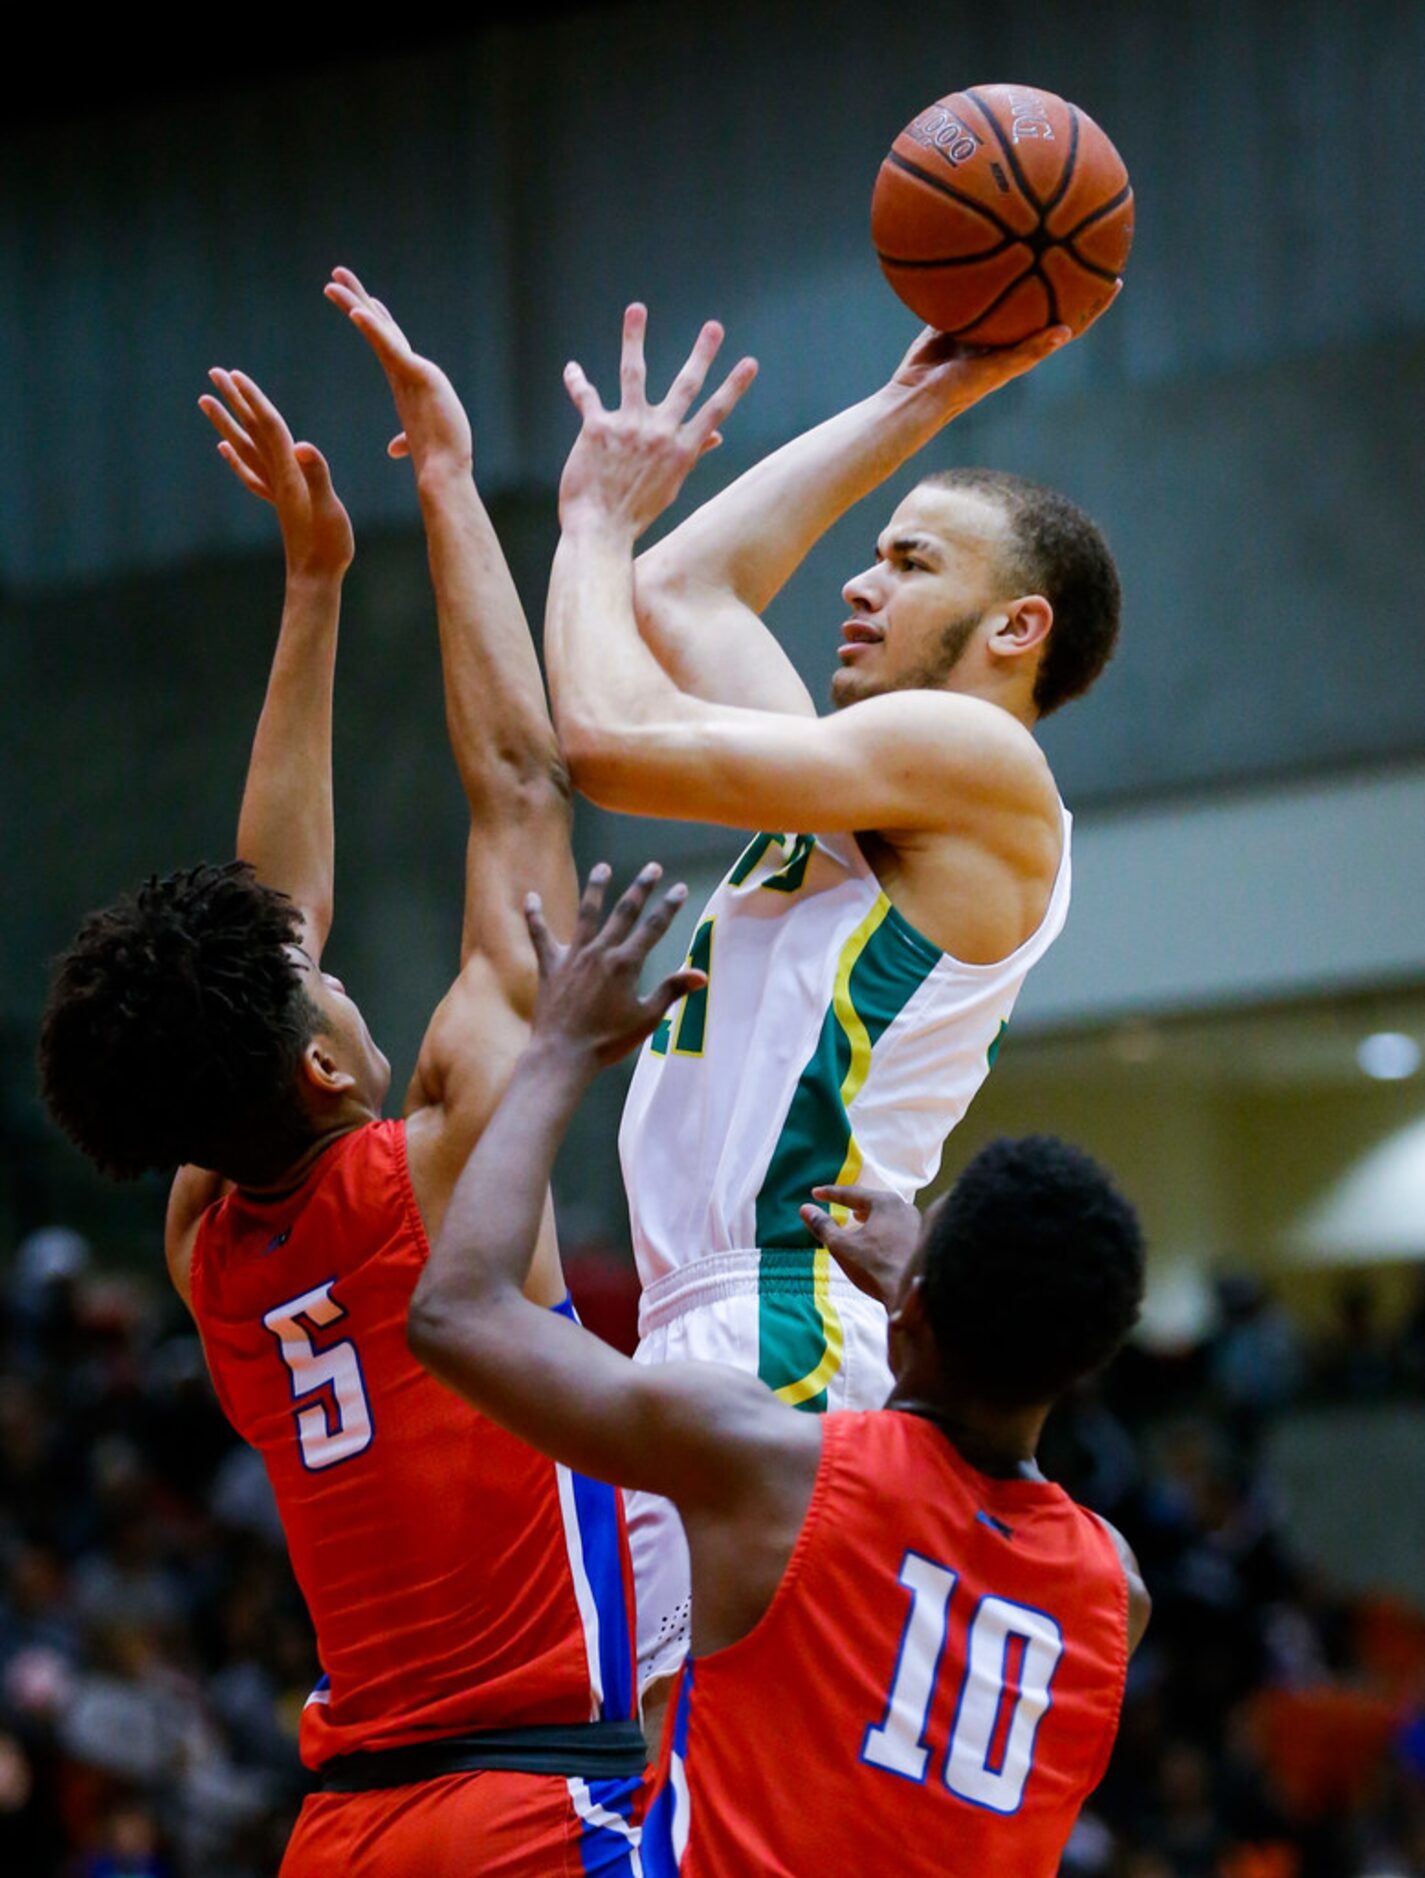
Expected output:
(155, 1656)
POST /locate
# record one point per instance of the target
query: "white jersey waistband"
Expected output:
(736, 1274)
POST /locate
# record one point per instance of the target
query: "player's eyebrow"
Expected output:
(910, 544)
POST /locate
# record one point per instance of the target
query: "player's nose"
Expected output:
(860, 592)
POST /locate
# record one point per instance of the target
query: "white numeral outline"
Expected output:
(338, 1425)
(897, 1744)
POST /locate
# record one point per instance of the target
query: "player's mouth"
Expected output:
(856, 635)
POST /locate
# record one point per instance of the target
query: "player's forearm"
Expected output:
(605, 683)
(754, 535)
(498, 719)
(285, 828)
(487, 1240)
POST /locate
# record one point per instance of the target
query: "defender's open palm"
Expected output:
(435, 431)
(257, 446)
(588, 990)
(628, 465)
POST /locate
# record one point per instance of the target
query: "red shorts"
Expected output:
(487, 1825)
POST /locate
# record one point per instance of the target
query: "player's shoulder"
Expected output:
(967, 738)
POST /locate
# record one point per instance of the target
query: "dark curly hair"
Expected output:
(1033, 1271)
(1056, 551)
(174, 1028)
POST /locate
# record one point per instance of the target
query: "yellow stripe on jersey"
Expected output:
(854, 1029)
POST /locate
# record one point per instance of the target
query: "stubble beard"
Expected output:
(929, 674)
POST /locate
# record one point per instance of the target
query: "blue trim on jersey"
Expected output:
(596, 1509)
(659, 1858)
(607, 1851)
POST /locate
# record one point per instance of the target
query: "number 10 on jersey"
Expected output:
(1011, 1654)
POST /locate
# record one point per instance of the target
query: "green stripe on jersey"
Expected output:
(881, 967)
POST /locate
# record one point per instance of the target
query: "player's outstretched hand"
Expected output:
(257, 447)
(628, 465)
(875, 1252)
(588, 990)
(957, 375)
(435, 432)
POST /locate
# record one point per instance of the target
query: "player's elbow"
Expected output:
(437, 1333)
(599, 760)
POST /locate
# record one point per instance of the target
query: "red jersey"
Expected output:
(456, 1579)
(934, 1689)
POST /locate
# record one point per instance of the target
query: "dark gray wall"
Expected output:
(1243, 423)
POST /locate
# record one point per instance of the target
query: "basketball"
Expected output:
(1001, 210)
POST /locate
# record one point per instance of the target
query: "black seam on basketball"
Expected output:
(1089, 267)
(952, 260)
(1050, 295)
(1062, 187)
(1094, 215)
(995, 304)
(955, 195)
(1013, 161)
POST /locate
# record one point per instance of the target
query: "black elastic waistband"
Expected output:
(606, 1750)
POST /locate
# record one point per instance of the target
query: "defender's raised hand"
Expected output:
(257, 447)
(588, 990)
(629, 464)
(876, 1251)
(435, 431)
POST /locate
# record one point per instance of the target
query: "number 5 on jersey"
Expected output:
(1011, 1654)
(336, 1423)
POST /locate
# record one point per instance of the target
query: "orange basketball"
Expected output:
(1002, 210)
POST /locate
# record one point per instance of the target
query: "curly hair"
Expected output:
(1056, 550)
(174, 1028)
(1033, 1271)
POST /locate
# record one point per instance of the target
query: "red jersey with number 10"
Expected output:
(456, 1579)
(934, 1689)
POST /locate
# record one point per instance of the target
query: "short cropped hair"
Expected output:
(1055, 550)
(1033, 1271)
(175, 1026)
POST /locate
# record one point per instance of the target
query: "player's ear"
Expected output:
(323, 1074)
(1025, 627)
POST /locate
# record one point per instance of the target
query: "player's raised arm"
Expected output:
(498, 718)
(699, 592)
(912, 760)
(696, 1432)
(285, 828)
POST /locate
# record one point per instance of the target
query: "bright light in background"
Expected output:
(1376, 1210)
(1389, 1056)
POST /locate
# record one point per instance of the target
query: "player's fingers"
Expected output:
(314, 467)
(235, 403)
(714, 442)
(265, 414)
(658, 921)
(858, 1200)
(690, 381)
(228, 428)
(247, 477)
(724, 400)
(586, 399)
(822, 1227)
(546, 951)
(676, 985)
(633, 370)
(631, 902)
(399, 445)
(591, 903)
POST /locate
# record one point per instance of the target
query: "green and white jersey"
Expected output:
(833, 1043)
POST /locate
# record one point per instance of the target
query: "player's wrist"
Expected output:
(442, 470)
(316, 574)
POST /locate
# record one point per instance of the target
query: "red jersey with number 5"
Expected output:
(945, 1651)
(456, 1579)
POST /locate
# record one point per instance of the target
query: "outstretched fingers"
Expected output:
(633, 368)
(691, 379)
(719, 407)
(591, 904)
(547, 950)
(621, 922)
(585, 399)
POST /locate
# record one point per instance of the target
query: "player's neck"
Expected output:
(352, 1116)
(999, 1442)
